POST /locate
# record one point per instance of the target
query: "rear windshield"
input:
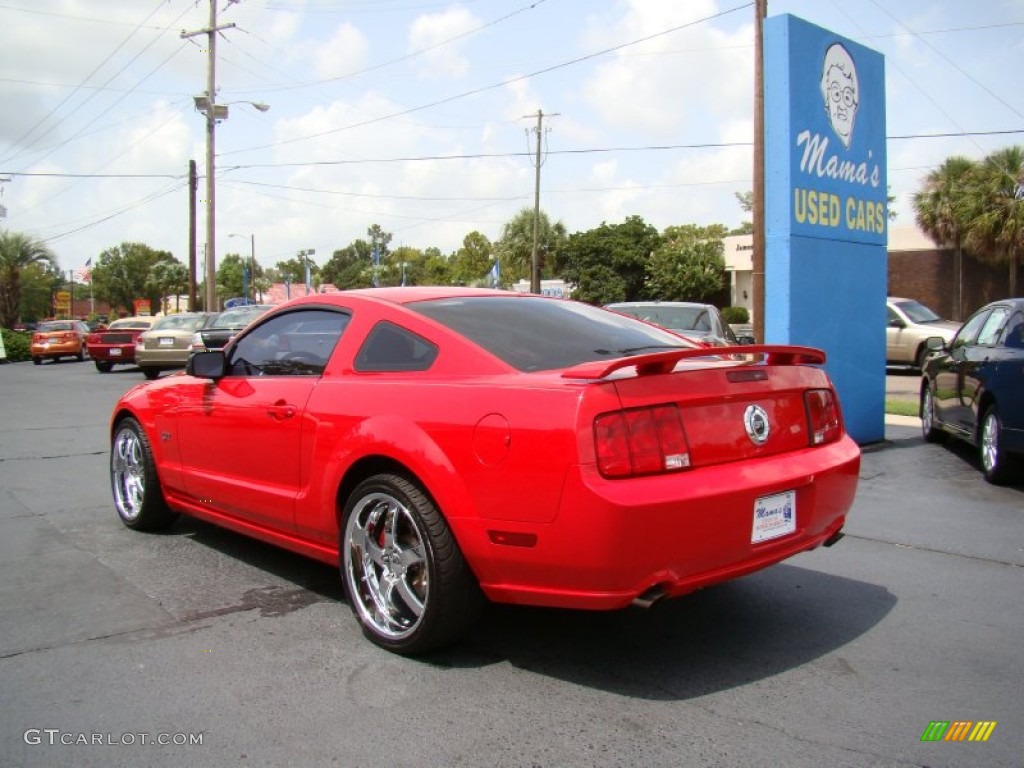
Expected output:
(532, 333)
(178, 323)
(918, 313)
(55, 326)
(682, 318)
(238, 318)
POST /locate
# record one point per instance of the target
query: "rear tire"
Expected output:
(407, 582)
(137, 495)
(81, 353)
(996, 463)
(151, 373)
(37, 361)
(103, 367)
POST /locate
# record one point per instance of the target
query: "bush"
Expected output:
(16, 344)
(736, 315)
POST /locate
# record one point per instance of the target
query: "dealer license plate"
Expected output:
(115, 352)
(774, 516)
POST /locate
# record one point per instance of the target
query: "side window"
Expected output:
(1014, 338)
(894, 319)
(295, 343)
(389, 347)
(966, 335)
(990, 331)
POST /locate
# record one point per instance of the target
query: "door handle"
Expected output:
(281, 410)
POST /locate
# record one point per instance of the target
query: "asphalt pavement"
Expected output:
(201, 647)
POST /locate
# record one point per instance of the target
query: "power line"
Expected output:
(488, 155)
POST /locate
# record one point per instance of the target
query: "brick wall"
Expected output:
(929, 277)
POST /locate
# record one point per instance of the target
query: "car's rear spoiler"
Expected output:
(664, 362)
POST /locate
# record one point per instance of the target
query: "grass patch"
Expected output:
(902, 408)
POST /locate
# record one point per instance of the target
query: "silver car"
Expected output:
(700, 322)
(167, 344)
(909, 325)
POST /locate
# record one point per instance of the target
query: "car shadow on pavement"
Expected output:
(712, 640)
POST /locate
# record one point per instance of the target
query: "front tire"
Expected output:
(995, 462)
(929, 425)
(137, 495)
(407, 582)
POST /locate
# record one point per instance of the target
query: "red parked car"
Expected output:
(447, 445)
(115, 345)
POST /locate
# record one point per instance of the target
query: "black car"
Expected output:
(225, 326)
(973, 388)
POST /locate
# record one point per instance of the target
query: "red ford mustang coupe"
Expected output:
(451, 445)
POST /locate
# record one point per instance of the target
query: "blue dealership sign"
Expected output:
(826, 209)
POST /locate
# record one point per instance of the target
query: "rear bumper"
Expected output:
(161, 358)
(55, 350)
(615, 541)
(125, 353)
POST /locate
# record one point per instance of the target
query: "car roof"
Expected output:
(657, 303)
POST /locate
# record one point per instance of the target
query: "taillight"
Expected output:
(641, 441)
(823, 419)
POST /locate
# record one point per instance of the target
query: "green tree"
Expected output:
(471, 263)
(18, 252)
(168, 278)
(38, 284)
(515, 247)
(294, 271)
(231, 275)
(121, 275)
(437, 268)
(941, 211)
(349, 267)
(609, 263)
(996, 208)
(688, 265)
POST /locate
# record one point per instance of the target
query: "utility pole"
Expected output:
(757, 257)
(534, 260)
(208, 105)
(193, 186)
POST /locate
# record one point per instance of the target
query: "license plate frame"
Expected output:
(774, 517)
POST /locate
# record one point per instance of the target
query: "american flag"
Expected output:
(85, 273)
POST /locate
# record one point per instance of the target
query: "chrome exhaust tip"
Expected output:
(650, 596)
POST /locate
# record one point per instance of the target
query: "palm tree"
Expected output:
(997, 226)
(941, 211)
(17, 251)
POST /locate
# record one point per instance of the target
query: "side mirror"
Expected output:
(211, 364)
(746, 340)
(897, 323)
(935, 344)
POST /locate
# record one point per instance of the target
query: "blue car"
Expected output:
(973, 389)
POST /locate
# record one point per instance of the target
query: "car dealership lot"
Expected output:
(114, 640)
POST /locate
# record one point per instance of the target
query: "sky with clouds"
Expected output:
(421, 115)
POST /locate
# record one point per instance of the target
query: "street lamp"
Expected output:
(252, 262)
(305, 260)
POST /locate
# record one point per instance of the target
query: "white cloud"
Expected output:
(431, 30)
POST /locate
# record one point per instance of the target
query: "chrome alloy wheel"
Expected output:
(386, 566)
(128, 474)
(990, 442)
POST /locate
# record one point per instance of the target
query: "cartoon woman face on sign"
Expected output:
(840, 91)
